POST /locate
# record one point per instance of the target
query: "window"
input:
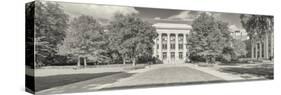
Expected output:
(164, 46)
(180, 37)
(164, 55)
(180, 46)
(172, 55)
(157, 46)
(180, 55)
(173, 46)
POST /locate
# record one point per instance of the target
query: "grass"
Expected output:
(258, 71)
(42, 83)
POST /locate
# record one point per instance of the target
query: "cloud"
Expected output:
(157, 18)
(97, 11)
(184, 15)
(190, 15)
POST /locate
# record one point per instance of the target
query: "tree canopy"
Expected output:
(84, 39)
(131, 36)
(209, 36)
(257, 25)
(50, 26)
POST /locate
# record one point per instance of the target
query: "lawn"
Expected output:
(266, 72)
(42, 83)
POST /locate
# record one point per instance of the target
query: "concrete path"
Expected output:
(164, 75)
(214, 72)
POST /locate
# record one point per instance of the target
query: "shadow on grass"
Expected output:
(258, 71)
(42, 83)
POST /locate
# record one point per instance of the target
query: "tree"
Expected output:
(257, 25)
(234, 51)
(239, 48)
(208, 37)
(248, 47)
(132, 37)
(260, 29)
(50, 26)
(84, 40)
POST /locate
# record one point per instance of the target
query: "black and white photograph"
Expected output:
(85, 47)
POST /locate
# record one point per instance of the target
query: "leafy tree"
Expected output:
(50, 25)
(257, 25)
(132, 37)
(84, 40)
(248, 47)
(208, 37)
(239, 48)
(234, 51)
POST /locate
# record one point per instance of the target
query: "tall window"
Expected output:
(173, 46)
(180, 41)
(180, 46)
(172, 55)
(164, 55)
(164, 38)
(157, 46)
(180, 55)
(172, 41)
(164, 46)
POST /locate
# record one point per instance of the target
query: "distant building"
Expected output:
(170, 46)
(239, 34)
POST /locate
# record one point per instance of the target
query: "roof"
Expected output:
(172, 26)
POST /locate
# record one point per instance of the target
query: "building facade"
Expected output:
(170, 45)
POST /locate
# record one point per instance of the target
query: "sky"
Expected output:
(106, 12)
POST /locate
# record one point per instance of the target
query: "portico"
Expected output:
(263, 48)
(170, 46)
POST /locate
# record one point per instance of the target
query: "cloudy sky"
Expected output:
(106, 12)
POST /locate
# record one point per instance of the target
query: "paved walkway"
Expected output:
(214, 72)
(164, 75)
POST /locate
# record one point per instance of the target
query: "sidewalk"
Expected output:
(225, 76)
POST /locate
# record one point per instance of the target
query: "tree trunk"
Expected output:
(78, 62)
(134, 61)
(124, 59)
(85, 62)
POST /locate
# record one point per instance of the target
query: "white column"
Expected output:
(252, 48)
(256, 50)
(260, 49)
(176, 47)
(266, 46)
(184, 46)
(272, 44)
